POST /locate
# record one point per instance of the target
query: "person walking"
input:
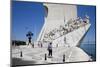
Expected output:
(50, 49)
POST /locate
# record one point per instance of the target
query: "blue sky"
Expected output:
(91, 12)
(26, 16)
(29, 16)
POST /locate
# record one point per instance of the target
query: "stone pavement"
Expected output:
(72, 54)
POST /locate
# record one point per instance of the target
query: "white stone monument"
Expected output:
(57, 15)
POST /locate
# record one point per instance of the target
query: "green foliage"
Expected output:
(18, 43)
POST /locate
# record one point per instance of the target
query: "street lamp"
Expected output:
(29, 35)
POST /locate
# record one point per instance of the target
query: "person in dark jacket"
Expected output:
(50, 49)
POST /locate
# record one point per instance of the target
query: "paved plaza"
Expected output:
(37, 55)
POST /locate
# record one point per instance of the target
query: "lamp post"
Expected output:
(29, 35)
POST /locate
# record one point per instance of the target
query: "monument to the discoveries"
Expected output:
(61, 26)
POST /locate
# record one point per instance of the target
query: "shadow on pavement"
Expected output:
(18, 62)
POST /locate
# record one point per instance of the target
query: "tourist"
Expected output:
(50, 49)
(41, 45)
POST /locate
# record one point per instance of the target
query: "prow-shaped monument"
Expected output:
(62, 27)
